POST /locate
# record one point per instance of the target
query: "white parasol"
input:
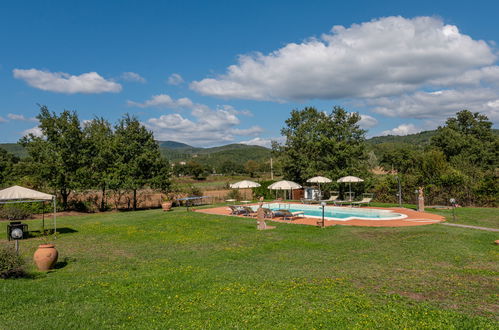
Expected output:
(244, 184)
(284, 185)
(349, 180)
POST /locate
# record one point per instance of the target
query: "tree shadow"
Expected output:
(39, 233)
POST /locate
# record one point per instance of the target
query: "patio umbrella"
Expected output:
(349, 180)
(244, 184)
(284, 185)
(319, 180)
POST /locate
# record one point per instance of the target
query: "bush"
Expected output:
(264, 191)
(12, 212)
(234, 194)
(11, 265)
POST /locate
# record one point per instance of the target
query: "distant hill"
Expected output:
(237, 153)
(421, 138)
(15, 149)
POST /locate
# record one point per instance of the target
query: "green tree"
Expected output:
(101, 153)
(251, 167)
(7, 166)
(57, 159)
(469, 135)
(138, 159)
(317, 142)
(197, 170)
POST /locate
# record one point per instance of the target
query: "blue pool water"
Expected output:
(336, 213)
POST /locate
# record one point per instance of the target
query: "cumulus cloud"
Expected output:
(14, 116)
(206, 126)
(367, 121)
(36, 131)
(61, 82)
(163, 101)
(175, 79)
(403, 129)
(383, 57)
(439, 104)
(3, 120)
(133, 77)
(263, 142)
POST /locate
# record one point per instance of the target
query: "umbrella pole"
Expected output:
(350, 197)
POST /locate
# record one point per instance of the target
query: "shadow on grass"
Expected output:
(63, 230)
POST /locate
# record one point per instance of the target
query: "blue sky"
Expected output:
(210, 73)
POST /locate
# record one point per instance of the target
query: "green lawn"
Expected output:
(150, 269)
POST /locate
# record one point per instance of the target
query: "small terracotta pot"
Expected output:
(45, 257)
(166, 206)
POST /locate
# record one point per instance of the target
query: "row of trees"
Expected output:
(461, 161)
(68, 157)
(200, 171)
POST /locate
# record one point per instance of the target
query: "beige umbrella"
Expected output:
(284, 185)
(244, 184)
(349, 180)
(319, 180)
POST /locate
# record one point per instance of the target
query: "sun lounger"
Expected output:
(248, 211)
(365, 200)
(267, 213)
(331, 199)
(309, 200)
(287, 214)
(237, 210)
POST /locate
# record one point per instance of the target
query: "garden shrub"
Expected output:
(234, 194)
(13, 212)
(11, 265)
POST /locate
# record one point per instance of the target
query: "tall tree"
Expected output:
(58, 157)
(138, 159)
(100, 138)
(317, 142)
(469, 136)
(7, 164)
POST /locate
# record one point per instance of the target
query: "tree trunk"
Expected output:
(65, 195)
(135, 199)
(103, 201)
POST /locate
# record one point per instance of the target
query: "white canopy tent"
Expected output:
(18, 194)
(284, 185)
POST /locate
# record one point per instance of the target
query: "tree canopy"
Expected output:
(320, 143)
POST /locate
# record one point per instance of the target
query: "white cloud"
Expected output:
(60, 82)
(267, 143)
(473, 78)
(383, 57)
(175, 79)
(3, 120)
(403, 129)
(367, 121)
(14, 116)
(36, 131)
(439, 104)
(205, 127)
(133, 77)
(165, 101)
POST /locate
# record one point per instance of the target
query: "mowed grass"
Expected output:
(150, 269)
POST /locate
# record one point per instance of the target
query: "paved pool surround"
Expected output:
(412, 218)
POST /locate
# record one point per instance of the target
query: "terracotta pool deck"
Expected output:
(414, 218)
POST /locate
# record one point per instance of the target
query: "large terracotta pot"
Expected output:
(45, 257)
(166, 206)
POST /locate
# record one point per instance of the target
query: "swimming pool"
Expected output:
(336, 213)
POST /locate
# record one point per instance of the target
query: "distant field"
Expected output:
(150, 269)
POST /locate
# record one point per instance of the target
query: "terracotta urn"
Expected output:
(166, 206)
(45, 257)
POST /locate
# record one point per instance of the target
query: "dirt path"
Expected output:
(468, 226)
